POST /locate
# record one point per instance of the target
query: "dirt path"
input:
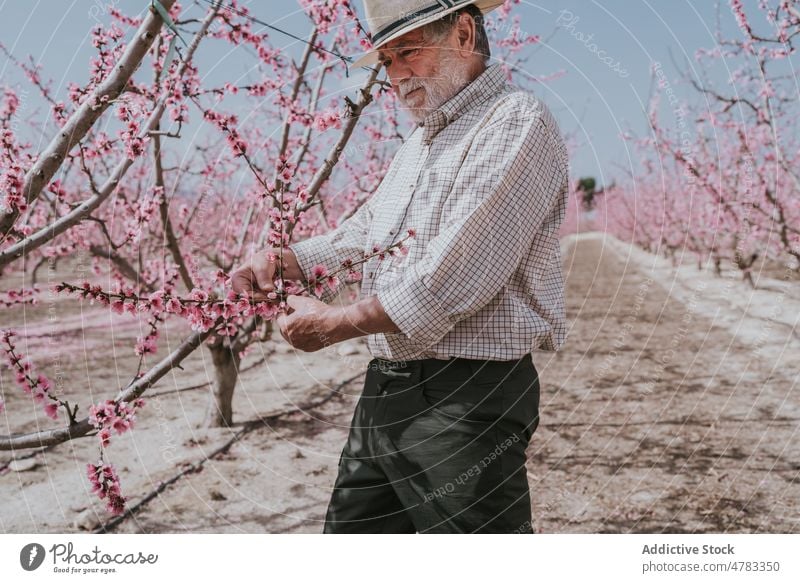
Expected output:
(654, 418)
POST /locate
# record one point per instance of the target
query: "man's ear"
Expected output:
(465, 35)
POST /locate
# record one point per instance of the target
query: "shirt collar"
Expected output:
(490, 82)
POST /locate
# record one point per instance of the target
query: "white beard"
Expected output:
(450, 77)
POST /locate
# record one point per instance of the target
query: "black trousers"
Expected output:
(438, 446)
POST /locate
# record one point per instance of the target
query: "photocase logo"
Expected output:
(31, 556)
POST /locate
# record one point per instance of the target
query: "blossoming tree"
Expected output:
(142, 210)
(720, 180)
(111, 184)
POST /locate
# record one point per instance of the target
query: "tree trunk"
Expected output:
(717, 265)
(745, 265)
(226, 373)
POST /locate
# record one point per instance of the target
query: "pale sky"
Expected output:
(606, 49)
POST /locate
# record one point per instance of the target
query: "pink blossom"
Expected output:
(105, 436)
(16, 297)
(227, 329)
(22, 381)
(120, 425)
(147, 345)
(113, 415)
(741, 18)
(156, 300)
(198, 295)
(327, 119)
(43, 382)
(221, 277)
(173, 306)
(37, 386)
(51, 410)
(105, 483)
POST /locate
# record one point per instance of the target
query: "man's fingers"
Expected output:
(281, 321)
(263, 269)
(242, 281)
(246, 281)
(299, 302)
(259, 296)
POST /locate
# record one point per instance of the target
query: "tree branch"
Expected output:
(79, 213)
(79, 123)
(133, 391)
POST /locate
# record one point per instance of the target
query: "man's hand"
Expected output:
(309, 325)
(255, 278)
(312, 324)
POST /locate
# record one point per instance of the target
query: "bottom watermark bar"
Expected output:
(389, 557)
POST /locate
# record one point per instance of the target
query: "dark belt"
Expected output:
(425, 368)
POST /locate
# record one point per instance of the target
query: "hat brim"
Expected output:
(371, 57)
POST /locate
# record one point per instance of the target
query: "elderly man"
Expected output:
(451, 398)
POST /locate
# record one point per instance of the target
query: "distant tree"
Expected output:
(725, 185)
(587, 189)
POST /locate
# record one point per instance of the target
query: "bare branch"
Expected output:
(166, 222)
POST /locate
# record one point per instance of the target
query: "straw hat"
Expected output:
(390, 19)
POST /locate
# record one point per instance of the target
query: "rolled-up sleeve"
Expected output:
(510, 180)
(345, 242)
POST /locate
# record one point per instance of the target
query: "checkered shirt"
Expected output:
(483, 180)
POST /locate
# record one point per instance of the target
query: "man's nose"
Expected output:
(397, 74)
